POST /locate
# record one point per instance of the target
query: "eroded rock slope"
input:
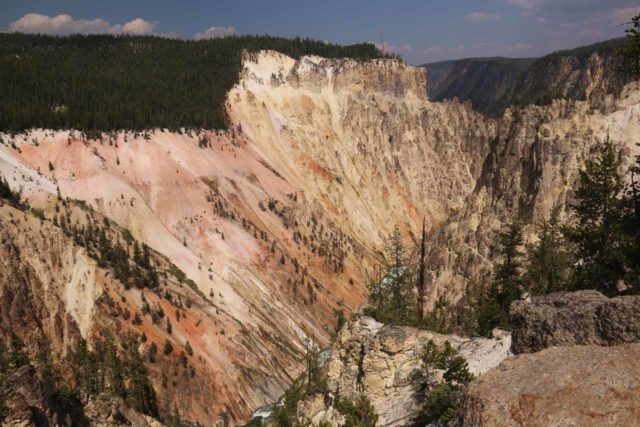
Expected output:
(279, 220)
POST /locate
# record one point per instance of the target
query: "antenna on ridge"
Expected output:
(381, 40)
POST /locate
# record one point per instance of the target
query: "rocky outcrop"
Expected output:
(383, 363)
(574, 318)
(577, 386)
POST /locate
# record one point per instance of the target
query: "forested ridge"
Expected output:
(106, 82)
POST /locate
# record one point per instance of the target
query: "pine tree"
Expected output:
(631, 51)
(140, 393)
(548, 260)
(168, 348)
(598, 234)
(391, 298)
(631, 229)
(493, 305)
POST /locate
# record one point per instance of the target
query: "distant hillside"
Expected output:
(488, 82)
(437, 72)
(493, 84)
(101, 82)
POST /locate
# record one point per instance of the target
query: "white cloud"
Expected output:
(214, 32)
(139, 26)
(624, 14)
(480, 17)
(66, 24)
(526, 4)
(400, 49)
(519, 47)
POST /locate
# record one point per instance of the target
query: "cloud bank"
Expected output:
(481, 17)
(215, 32)
(66, 24)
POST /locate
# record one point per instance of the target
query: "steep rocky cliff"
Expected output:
(489, 83)
(493, 84)
(279, 220)
(532, 167)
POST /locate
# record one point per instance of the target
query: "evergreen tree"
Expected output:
(631, 229)
(549, 260)
(168, 348)
(391, 298)
(140, 393)
(493, 306)
(5, 391)
(631, 51)
(443, 398)
(598, 234)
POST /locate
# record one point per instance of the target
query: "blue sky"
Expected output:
(420, 30)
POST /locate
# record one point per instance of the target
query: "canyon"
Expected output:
(280, 221)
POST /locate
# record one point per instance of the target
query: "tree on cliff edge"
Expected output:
(631, 50)
(493, 306)
(598, 234)
(391, 298)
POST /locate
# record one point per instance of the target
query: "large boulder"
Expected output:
(561, 386)
(574, 318)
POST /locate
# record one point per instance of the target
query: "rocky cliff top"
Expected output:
(560, 386)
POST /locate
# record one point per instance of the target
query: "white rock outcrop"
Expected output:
(383, 363)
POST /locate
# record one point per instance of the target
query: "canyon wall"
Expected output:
(280, 220)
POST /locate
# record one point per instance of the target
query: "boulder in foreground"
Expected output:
(562, 386)
(574, 318)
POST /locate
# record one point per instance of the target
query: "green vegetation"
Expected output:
(598, 234)
(12, 357)
(87, 373)
(131, 265)
(14, 198)
(120, 372)
(600, 251)
(549, 260)
(493, 307)
(391, 298)
(105, 83)
(443, 397)
(360, 413)
(631, 50)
